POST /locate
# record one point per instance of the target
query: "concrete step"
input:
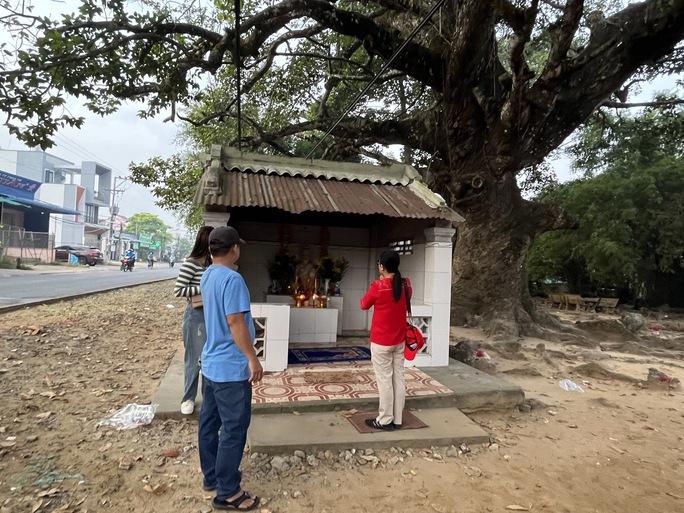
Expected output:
(472, 390)
(285, 433)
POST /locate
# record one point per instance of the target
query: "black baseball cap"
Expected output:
(224, 236)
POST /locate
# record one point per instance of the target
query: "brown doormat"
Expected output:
(358, 420)
(322, 377)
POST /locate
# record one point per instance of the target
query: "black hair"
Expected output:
(390, 261)
(200, 251)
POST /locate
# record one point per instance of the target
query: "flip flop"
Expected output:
(235, 504)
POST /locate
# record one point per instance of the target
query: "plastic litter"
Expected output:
(131, 416)
(570, 386)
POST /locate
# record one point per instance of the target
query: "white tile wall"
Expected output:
(429, 268)
(313, 325)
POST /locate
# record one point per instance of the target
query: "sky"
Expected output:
(122, 137)
(114, 141)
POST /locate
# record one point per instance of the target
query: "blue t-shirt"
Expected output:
(224, 292)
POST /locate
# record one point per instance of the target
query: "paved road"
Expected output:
(18, 288)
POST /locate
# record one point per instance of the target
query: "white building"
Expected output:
(345, 210)
(85, 189)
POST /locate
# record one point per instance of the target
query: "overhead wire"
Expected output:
(375, 78)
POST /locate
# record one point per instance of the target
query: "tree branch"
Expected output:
(617, 48)
(632, 105)
(562, 33)
(416, 61)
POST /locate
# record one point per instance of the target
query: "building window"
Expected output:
(56, 176)
(91, 214)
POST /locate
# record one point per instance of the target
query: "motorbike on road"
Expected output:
(127, 264)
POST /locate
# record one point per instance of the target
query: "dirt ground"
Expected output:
(616, 447)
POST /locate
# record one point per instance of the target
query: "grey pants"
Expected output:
(194, 336)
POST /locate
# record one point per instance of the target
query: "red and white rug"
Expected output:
(299, 383)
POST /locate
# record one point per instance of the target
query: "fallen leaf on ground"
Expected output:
(36, 506)
(516, 507)
(105, 447)
(170, 453)
(48, 493)
(616, 449)
(157, 489)
(44, 415)
(674, 495)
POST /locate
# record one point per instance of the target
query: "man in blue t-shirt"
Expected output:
(229, 367)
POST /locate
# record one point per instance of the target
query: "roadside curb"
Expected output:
(11, 308)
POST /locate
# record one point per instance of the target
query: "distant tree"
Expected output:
(629, 210)
(184, 247)
(144, 223)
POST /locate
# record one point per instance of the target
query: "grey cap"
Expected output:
(225, 236)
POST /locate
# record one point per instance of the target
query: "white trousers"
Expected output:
(388, 364)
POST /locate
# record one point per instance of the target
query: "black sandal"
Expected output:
(373, 423)
(235, 504)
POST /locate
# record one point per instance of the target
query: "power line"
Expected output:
(384, 68)
(89, 154)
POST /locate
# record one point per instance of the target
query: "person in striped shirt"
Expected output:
(194, 332)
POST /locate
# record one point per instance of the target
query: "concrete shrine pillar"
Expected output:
(438, 267)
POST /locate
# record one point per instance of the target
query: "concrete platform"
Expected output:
(472, 390)
(278, 434)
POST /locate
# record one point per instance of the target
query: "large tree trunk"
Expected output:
(490, 263)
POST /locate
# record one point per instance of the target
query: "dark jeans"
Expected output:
(228, 407)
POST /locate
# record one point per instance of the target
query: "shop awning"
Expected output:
(34, 203)
(8, 201)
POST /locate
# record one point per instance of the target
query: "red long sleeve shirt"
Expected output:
(388, 327)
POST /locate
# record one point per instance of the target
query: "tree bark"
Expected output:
(490, 285)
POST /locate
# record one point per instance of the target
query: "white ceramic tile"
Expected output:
(437, 288)
(441, 311)
(418, 283)
(442, 259)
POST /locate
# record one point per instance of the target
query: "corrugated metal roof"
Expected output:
(396, 174)
(297, 195)
(237, 179)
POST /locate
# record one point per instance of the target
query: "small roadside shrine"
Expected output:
(315, 230)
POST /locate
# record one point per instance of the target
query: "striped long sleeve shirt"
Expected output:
(188, 281)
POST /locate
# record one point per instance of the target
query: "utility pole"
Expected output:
(113, 211)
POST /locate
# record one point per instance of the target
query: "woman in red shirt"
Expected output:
(387, 297)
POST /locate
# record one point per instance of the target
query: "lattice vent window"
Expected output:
(260, 324)
(403, 247)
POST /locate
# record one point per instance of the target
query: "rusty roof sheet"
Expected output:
(238, 179)
(297, 195)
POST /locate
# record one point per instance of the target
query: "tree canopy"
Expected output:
(486, 90)
(144, 223)
(629, 214)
